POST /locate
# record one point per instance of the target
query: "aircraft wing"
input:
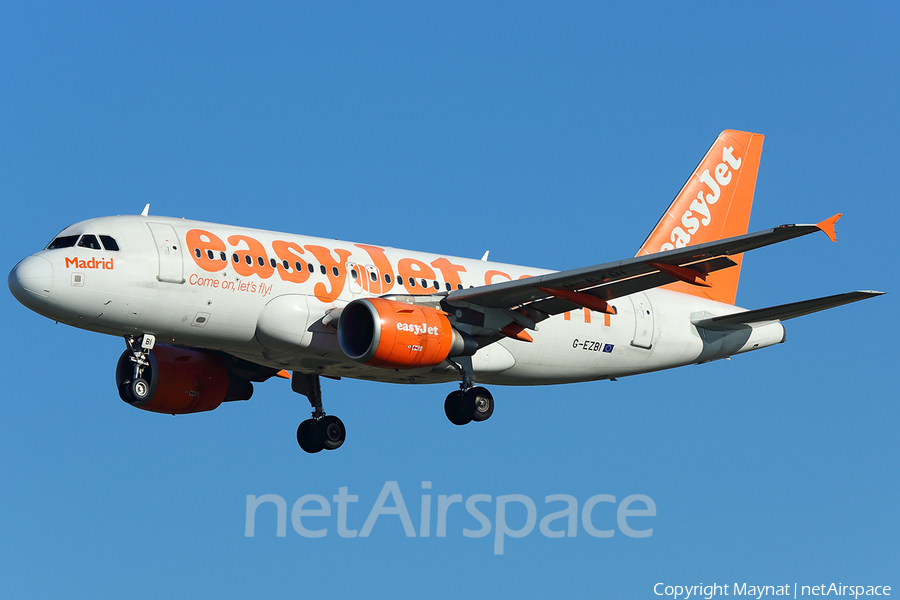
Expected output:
(539, 297)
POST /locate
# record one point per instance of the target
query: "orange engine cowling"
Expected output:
(395, 335)
(181, 381)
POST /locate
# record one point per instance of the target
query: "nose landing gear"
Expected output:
(137, 389)
(321, 432)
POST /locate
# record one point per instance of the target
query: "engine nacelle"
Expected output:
(181, 381)
(394, 335)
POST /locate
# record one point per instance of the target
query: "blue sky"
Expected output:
(553, 135)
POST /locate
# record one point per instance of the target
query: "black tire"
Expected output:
(125, 392)
(139, 390)
(478, 404)
(330, 432)
(453, 408)
(306, 437)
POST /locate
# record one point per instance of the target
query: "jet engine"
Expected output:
(179, 381)
(394, 335)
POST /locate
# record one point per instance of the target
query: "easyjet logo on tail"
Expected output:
(699, 212)
(714, 204)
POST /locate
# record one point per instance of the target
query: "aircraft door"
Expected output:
(171, 266)
(643, 321)
(366, 279)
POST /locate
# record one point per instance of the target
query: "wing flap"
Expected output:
(782, 312)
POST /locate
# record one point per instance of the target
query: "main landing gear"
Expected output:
(465, 406)
(321, 432)
(471, 402)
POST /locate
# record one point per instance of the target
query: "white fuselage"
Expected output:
(179, 280)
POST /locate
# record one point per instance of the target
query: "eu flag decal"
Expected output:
(608, 348)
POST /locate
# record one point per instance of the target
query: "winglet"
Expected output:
(828, 226)
(283, 374)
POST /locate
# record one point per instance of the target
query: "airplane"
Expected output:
(206, 310)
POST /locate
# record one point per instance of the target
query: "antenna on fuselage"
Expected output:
(486, 252)
(146, 210)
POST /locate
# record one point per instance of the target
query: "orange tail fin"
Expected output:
(714, 204)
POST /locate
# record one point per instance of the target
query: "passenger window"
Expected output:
(335, 271)
(387, 278)
(248, 260)
(197, 252)
(424, 283)
(437, 286)
(459, 286)
(373, 276)
(274, 263)
(210, 255)
(109, 243)
(447, 285)
(311, 268)
(412, 282)
(287, 265)
(260, 260)
(235, 258)
(297, 266)
(63, 241)
(323, 269)
(89, 241)
(353, 274)
(223, 257)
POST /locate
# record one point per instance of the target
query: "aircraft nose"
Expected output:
(33, 275)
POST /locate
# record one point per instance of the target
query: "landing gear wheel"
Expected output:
(139, 390)
(330, 432)
(478, 403)
(453, 408)
(306, 437)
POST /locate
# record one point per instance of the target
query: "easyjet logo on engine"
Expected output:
(92, 263)
(699, 213)
(417, 329)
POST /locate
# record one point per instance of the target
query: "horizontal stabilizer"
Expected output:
(782, 312)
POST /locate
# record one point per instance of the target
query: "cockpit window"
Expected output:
(89, 241)
(63, 241)
(109, 243)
